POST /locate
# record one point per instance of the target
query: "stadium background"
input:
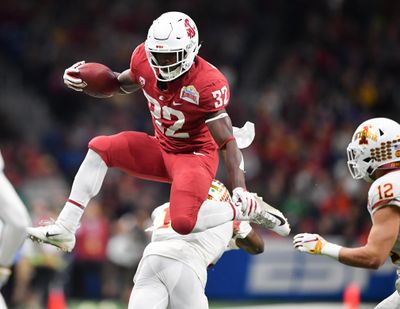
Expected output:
(306, 72)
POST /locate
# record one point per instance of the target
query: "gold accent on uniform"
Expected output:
(318, 247)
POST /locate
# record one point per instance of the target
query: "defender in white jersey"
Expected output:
(173, 269)
(14, 221)
(373, 155)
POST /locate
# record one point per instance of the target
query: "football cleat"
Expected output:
(53, 233)
(270, 217)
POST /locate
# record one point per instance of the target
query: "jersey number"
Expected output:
(386, 191)
(166, 113)
(221, 96)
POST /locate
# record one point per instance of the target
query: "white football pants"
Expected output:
(14, 218)
(163, 283)
(392, 302)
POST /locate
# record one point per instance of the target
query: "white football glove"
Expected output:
(245, 199)
(315, 244)
(309, 243)
(71, 80)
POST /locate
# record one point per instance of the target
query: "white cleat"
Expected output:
(270, 218)
(53, 233)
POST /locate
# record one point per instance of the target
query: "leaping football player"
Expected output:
(187, 97)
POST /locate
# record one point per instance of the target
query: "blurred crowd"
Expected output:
(306, 72)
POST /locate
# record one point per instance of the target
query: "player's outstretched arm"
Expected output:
(126, 83)
(382, 237)
(220, 127)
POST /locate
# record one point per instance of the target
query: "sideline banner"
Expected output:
(281, 273)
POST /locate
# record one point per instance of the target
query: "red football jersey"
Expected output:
(179, 112)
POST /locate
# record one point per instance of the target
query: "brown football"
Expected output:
(101, 81)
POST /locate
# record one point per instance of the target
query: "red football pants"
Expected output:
(140, 155)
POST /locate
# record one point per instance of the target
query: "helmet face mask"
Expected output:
(166, 71)
(375, 145)
(360, 164)
(172, 33)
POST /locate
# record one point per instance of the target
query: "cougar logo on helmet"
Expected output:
(191, 32)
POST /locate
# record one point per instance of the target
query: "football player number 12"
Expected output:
(385, 192)
(166, 112)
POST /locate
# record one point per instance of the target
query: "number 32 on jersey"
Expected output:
(166, 112)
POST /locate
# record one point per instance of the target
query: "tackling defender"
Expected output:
(173, 270)
(14, 220)
(186, 97)
(373, 155)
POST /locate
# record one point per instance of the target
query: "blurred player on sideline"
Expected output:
(186, 97)
(173, 269)
(373, 155)
(14, 221)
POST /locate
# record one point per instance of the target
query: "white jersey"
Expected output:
(197, 250)
(386, 191)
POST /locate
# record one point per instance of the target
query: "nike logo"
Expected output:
(279, 218)
(176, 103)
(198, 153)
(51, 235)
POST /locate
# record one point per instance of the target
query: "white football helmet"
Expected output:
(375, 145)
(172, 32)
(218, 192)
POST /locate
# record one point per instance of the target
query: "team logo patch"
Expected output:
(142, 81)
(190, 94)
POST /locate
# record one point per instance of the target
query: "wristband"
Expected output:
(238, 189)
(229, 139)
(331, 250)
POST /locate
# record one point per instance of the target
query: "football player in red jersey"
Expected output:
(186, 97)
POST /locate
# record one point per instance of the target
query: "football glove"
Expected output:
(70, 78)
(315, 244)
(245, 199)
(309, 243)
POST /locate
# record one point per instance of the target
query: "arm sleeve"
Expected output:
(215, 95)
(135, 58)
(383, 192)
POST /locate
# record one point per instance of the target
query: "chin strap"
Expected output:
(390, 165)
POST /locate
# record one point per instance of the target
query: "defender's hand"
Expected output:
(71, 79)
(309, 243)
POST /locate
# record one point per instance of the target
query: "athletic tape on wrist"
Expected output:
(331, 250)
